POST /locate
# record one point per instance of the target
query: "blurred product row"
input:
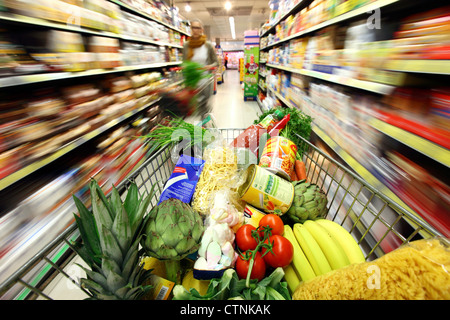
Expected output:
(93, 129)
(104, 15)
(379, 97)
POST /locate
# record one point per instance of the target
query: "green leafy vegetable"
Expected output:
(176, 131)
(230, 287)
(298, 125)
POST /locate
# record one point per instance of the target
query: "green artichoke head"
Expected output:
(173, 230)
(310, 202)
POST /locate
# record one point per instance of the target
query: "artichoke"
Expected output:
(173, 230)
(310, 202)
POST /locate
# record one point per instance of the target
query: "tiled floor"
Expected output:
(228, 106)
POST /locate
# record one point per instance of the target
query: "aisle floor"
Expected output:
(228, 105)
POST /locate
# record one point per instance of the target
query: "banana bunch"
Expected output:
(310, 202)
(320, 246)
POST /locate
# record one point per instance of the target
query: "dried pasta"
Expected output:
(220, 171)
(419, 270)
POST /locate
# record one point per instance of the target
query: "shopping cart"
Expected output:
(378, 224)
(182, 101)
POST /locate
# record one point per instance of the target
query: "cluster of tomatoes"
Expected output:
(262, 247)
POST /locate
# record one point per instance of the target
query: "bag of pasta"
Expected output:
(220, 171)
(418, 270)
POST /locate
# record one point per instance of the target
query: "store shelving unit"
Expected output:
(48, 77)
(378, 4)
(22, 173)
(346, 81)
(17, 185)
(432, 145)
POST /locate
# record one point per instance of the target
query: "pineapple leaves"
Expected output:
(88, 230)
(121, 227)
(110, 236)
(110, 246)
(102, 214)
(131, 201)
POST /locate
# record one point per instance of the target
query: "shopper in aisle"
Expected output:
(199, 50)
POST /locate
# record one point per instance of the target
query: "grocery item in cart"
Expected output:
(279, 156)
(220, 171)
(418, 270)
(250, 137)
(183, 180)
(252, 215)
(266, 191)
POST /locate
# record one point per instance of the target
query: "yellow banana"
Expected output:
(345, 239)
(312, 251)
(291, 278)
(332, 249)
(300, 262)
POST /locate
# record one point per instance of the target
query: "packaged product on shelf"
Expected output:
(440, 108)
(106, 52)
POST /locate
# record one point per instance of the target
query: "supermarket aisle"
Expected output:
(228, 105)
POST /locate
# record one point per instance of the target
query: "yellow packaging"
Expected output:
(161, 288)
(252, 216)
(278, 156)
(266, 191)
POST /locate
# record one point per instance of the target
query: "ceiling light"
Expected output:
(228, 5)
(233, 31)
(187, 7)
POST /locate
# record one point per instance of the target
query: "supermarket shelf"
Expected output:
(345, 16)
(261, 106)
(301, 3)
(145, 15)
(422, 145)
(365, 174)
(346, 81)
(262, 88)
(280, 97)
(22, 173)
(45, 77)
(19, 19)
(419, 66)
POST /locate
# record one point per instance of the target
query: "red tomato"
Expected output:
(258, 270)
(244, 239)
(274, 222)
(283, 251)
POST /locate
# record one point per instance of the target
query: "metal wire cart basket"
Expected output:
(378, 224)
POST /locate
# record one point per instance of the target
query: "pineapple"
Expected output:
(110, 235)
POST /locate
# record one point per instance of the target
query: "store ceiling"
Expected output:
(248, 15)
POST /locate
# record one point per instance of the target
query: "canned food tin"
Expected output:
(252, 215)
(278, 156)
(266, 191)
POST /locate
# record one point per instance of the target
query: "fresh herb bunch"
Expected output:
(299, 124)
(174, 132)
